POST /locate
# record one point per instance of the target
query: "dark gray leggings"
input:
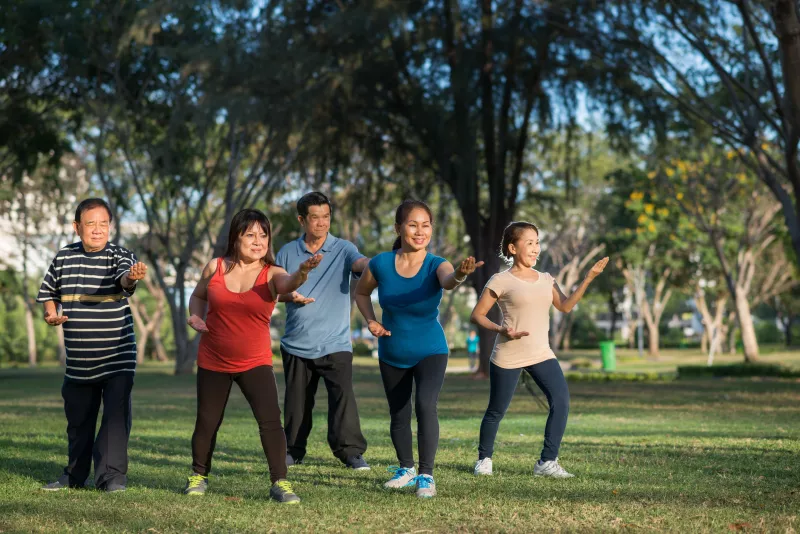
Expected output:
(429, 377)
(503, 382)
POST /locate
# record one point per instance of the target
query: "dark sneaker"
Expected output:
(282, 492)
(114, 488)
(196, 485)
(291, 462)
(357, 462)
(61, 484)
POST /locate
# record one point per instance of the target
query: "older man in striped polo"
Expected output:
(91, 281)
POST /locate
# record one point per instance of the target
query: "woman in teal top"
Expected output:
(411, 343)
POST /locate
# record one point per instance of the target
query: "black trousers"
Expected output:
(397, 382)
(302, 378)
(110, 446)
(259, 388)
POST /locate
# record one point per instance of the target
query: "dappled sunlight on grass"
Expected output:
(693, 455)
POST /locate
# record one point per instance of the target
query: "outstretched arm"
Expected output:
(565, 304)
(451, 278)
(283, 283)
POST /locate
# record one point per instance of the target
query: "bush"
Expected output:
(600, 376)
(584, 333)
(581, 363)
(361, 349)
(738, 370)
(767, 332)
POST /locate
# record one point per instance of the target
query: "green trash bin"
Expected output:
(608, 355)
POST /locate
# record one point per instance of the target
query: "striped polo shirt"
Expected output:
(98, 333)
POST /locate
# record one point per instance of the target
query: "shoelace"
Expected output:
(398, 471)
(424, 481)
(195, 481)
(285, 485)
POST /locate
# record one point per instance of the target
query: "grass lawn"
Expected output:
(682, 456)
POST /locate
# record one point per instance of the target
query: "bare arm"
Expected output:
(360, 265)
(295, 297)
(283, 283)
(565, 304)
(478, 316)
(366, 285)
(198, 302)
(451, 278)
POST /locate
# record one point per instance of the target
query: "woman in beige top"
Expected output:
(525, 296)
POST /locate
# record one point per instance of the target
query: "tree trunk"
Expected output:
(612, 309)
(746, 325)
(30, 328)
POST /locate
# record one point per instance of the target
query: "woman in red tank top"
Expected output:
(239, 292)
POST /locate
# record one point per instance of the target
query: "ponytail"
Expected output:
(397, 244)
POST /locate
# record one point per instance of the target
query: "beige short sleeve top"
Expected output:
(526, 307)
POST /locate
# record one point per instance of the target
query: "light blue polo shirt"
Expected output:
(322, 327)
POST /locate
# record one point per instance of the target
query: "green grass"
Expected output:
(696, 455)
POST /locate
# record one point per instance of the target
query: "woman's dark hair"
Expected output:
(242, 222)
(90, 204)
(402, 213)
(315, 198)
(511, 235)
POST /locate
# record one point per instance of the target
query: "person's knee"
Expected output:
(560, 403)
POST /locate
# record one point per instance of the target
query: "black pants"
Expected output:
(302, 378)
(429, 377)
(503, 382)
(259, 388)
(110, 447)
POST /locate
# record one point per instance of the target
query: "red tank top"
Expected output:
(238, 336)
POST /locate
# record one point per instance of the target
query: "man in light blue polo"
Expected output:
(317, 343)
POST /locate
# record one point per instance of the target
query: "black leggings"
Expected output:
(429, 377)
(259, 388)
(503, 382)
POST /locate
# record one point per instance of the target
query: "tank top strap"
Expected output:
(220, 267)
(262, 276)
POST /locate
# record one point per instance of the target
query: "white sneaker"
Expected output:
(550, 469)
(403, 477)
(483, 467)
(426, 487)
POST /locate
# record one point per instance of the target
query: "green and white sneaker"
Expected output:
(483, 467)
(196, 485)
(282, 492)
(426, 487)
(550, 469)
(404, 477)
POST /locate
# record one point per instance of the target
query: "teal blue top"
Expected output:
(410, 311)
(472, 344)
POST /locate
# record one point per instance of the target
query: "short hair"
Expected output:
(314, 198)
(90, 204)
(511, 235)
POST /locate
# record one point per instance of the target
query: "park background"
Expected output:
(663, 135)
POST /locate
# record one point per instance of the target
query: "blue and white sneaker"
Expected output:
(404, 477)
(426, 487)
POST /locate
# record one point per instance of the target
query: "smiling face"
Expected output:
(253, 244)
(525, 250)
(93, 228)
(416, 230)
(317, 223)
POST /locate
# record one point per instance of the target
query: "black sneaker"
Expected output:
(357, 462)
(282, 492)
(290, 461)
(61, 484)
